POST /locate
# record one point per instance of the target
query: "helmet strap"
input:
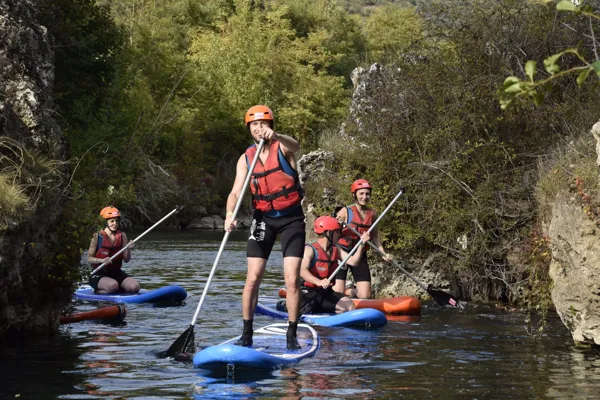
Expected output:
(329, 236)
(111, 231)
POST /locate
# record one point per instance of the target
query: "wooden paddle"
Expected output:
(185, 342)
(307, 306)
(176, 210)
(442, 298)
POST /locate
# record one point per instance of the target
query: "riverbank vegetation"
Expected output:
(150, 96)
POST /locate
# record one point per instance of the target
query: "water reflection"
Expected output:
(482, 352)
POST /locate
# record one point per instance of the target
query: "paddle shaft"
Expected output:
(176, 210)
(383, 254)
(226, 236)
(360, 241)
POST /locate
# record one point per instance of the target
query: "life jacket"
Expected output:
(107, 249)
(322, 266)
(348, 239)
(275, 185)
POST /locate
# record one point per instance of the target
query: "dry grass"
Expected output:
(24, 178)
(558, 172)
(12, 201)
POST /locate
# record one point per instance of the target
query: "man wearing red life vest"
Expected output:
(105, 244)
(276, 196)
(320, 261)
(360, 217)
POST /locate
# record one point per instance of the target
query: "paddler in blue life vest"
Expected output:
(276, 196)
(320, 260)
(360, 217)
(104, 244)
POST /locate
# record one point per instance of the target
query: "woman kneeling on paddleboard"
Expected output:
(105, 244)
(360, 217)
(319, 262)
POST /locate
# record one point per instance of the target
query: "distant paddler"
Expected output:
(103, 248)
(109, 248)
(360, 217)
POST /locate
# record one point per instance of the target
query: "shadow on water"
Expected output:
(445, 353)
(35, 368)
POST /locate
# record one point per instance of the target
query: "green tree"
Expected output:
(433, 124)
(576, 60)
(393, 30)
(256, 57)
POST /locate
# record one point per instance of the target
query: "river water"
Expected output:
(444, 354)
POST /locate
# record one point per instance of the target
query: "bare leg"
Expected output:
(345, 304)
(130, 285)
(107, 285)
(256, 270)
(339, 285)
(363, 290)
(291, 272)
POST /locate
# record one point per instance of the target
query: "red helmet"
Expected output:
(110, 212)
(259, 112)
(360, 184)
(323, 224)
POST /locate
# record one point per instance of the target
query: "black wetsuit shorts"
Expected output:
(264, 230)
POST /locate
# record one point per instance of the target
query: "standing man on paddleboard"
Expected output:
(104, 244)
(276, 196)
(360, 216)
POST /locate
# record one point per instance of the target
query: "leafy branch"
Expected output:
(514, 87)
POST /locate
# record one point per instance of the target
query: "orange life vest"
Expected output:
(322, 266)
(275, 184)
(348, 239)
(107, 249)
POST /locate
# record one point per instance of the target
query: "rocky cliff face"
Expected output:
(31, 155)
(574, 231)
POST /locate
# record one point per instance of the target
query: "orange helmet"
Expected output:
(323, 224)
(360, 184)
(259, 112)
(110, 212)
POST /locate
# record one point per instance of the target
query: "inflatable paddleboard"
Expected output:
(167, 294)
(116, 312)
(364, 318)
(401, 305)
(268, 350)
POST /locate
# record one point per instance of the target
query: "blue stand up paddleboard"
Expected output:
(363, 318)
(167, 294)
(268, 350)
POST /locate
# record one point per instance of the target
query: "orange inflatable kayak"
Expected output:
(405, 305)
(402, 305)
(116, 312)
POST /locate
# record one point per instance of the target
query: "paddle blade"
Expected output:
(443, 298)
(183, 345)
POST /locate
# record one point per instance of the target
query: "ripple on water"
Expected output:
(445, 353)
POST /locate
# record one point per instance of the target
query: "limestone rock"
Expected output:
(575, 270)
(27, 124)
(596, 133)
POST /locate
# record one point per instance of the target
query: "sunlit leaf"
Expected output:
(550, 63)
(566, 5)
(583, 76)
(596, 66)
(511, 80)
(530, 69)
